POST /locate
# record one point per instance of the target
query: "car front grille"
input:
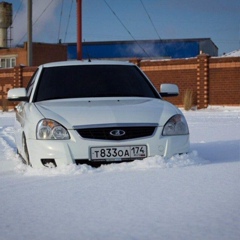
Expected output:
(116, 133)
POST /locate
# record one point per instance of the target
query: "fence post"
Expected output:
(18, 76)
(202, 81)
(136, 61)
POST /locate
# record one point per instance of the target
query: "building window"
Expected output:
(8, 62)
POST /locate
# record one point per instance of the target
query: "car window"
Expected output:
(31, 84)
(93, 81)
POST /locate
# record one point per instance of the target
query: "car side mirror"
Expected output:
(17, 95)
(169, 90)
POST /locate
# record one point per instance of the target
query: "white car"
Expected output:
(93, 113)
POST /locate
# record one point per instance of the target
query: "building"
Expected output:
(42, 53)
(112, 50)
(176, 48)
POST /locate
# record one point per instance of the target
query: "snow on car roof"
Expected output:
(86, 62)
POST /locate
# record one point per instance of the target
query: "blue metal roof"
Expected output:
(139, 49)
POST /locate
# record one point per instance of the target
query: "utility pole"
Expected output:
(79, 29)
(29, 44)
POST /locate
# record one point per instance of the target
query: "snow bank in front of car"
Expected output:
(155, 162)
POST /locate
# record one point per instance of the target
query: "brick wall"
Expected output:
(180, 72)
(6, 83)
(13, 78)
(214, 81)
(224, 81)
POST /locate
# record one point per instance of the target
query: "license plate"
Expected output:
(118, 153)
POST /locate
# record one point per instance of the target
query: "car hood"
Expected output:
(73, 113)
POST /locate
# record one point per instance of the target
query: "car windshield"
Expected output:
(84, 81)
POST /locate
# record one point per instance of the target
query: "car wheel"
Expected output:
(26, 154)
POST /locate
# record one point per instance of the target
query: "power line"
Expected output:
(43, 12)
(150, 20)
(36, 20)
(19, 6)
(68, 21)
(125, 28)
(60, 21)
(17, 10)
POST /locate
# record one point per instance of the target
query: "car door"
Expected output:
(21, 117)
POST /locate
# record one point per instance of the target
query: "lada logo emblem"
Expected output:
(117, 133)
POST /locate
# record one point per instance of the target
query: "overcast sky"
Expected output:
(107, 20)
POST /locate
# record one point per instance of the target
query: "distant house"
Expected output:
(42, 53)
(177, 48)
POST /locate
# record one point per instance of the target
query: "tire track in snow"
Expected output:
(6, 133)
(8, 157)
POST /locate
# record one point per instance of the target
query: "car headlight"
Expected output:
(48, 129)
(176, 125)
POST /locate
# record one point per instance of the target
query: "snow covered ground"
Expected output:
(193, 196)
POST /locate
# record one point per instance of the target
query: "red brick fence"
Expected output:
(214, 81)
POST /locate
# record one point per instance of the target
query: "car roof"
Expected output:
(85, 62)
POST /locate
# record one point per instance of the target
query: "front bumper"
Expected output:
(66, 152)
